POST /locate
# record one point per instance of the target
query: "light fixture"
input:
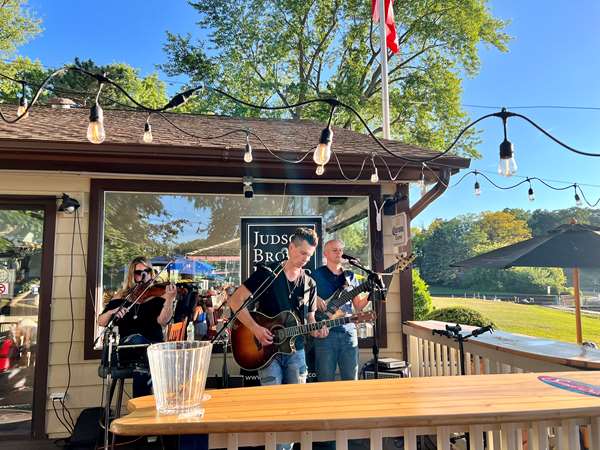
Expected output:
(322, 153)
(248, 190)
(68, 205)
(578, 201)
(421, 182)
(320, 170)
(248, 151)
(22, 109)
(147, 136)
(95, 131)
(477, 189)
(375, 176)
(530, 193)
(507, 165)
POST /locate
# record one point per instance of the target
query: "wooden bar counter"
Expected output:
(374, 404)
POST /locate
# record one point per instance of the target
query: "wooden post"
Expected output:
(577, 305)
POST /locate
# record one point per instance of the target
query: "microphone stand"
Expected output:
(109, 339)
(376, 296)
(245, 305)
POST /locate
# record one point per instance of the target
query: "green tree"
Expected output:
(448, 242)
(283, 52)
(500, 228)
(17, 26)
(21, 69)
(149, 90)
(421, 297)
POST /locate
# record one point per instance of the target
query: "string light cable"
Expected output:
(96, 130)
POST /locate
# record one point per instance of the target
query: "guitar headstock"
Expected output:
(364, 316)
(403, 262)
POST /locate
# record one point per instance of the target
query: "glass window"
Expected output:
(203, 232)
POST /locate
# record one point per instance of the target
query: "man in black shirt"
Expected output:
(286, 287)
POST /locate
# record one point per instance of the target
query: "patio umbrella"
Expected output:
(568, 246)
(185, 265)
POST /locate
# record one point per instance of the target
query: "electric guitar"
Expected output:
(341, 296)
(250, 354)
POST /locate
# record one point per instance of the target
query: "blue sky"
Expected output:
(553, 60)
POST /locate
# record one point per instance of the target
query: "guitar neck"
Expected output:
(305, 329)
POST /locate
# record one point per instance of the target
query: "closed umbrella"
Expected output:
(568, 246)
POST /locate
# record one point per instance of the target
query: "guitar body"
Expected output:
(328, 313)
(249, 353)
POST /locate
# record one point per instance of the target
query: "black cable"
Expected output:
(64, 407)
(65, 425)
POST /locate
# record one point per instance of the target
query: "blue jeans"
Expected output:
(142, 383)
(340, 347)
(285, 369)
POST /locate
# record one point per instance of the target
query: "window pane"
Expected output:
(206, 229)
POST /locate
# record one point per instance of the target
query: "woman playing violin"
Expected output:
(144, 322)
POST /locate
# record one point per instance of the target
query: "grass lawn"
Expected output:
(529, 319)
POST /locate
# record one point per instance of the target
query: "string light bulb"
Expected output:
(375, 175)
(248, 152)
(421, 183)
(507, 165)
(578, 201)
(320, 170)
(22, 109)
(95, 131)
(322, 153)
(147, 136)
(530, 194)
(477, 189)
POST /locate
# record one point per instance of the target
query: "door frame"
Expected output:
(40, 378)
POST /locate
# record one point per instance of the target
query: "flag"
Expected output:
(391, 37)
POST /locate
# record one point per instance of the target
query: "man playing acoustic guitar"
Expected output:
(287, 288)
(340, 347)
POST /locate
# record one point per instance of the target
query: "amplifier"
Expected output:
(370, 375)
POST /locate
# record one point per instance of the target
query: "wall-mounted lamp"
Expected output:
(68, 205)
(248, 190)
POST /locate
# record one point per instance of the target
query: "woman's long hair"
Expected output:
(129, 281)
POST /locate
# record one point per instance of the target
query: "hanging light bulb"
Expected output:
(375, 175)
(507, 165)
(147, 136)
(95, 131)
(323, 151)
(22, 109)
(320, 170)
(578, 201)
(421, 183)
(530, 194)
(248, 151)
(477, 189)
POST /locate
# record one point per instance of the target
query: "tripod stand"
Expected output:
(454, 332)
(376, 296)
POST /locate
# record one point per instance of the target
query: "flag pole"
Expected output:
(385, 98)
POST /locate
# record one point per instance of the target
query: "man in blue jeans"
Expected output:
(340, 346)
(281, 287)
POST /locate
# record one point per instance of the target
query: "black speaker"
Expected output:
(88, 432)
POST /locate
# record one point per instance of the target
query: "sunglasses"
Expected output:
(139, 272)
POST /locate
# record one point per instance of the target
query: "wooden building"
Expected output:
(48, 154)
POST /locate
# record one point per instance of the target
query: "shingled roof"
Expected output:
(60, 135)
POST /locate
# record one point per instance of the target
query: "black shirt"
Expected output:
(141, 319)
(283, 295)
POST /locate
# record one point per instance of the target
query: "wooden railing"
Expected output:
(433, 355)
(499, 412)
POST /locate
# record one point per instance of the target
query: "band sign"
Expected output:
(265, 240)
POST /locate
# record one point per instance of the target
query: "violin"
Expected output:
(137, 293)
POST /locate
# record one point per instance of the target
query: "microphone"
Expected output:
(350, 258)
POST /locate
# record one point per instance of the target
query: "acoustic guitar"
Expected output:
(250, 354)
